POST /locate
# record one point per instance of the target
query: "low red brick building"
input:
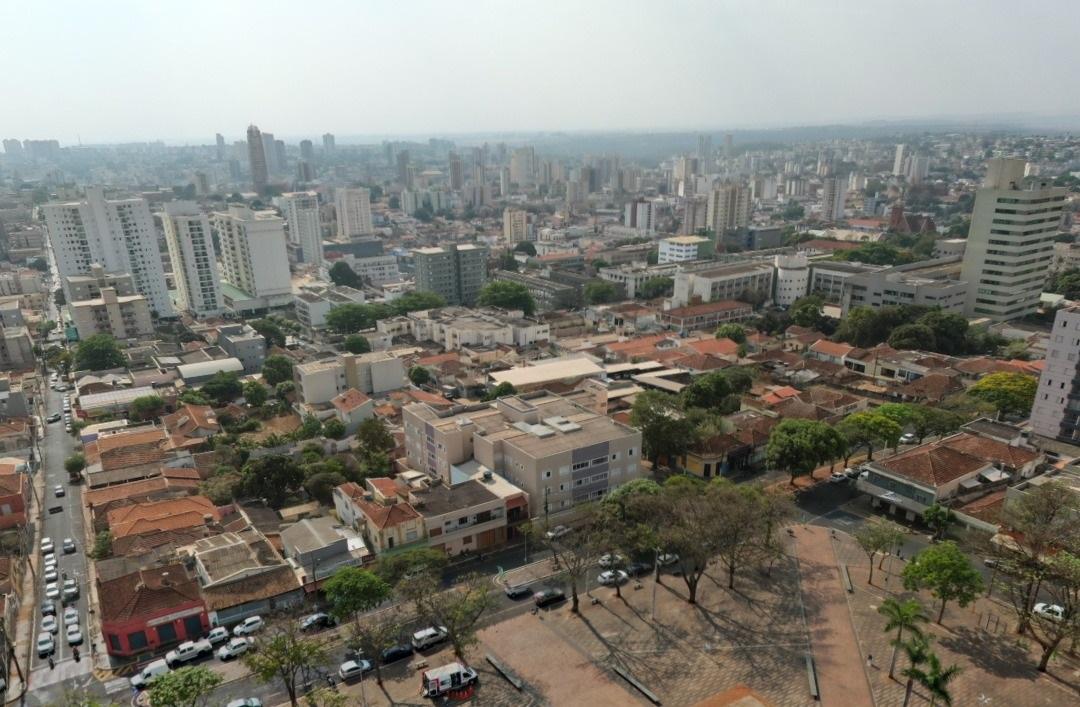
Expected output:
(14, 493)
(146, 610)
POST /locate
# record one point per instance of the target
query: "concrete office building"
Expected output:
(456, 273)
(523, 166)
(257, 159)
(833, 193)
(928, 283)
(726, 282)
(329, 143)
(372, 373)
(1056, 412)
(194, 260)
(515, 225)
(120, 316)
(827, 277)
(307, 150)
(244, 344)
(254, 259)
(547, 294)
(679, 249)
(456, 172)
(16, 349)
(633, 276)
(118, 234)
(301, 211)
(353, 208)
(1010, 245)
(559, 452)
(728, 207)
(792, 278)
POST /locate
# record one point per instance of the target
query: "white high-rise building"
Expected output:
(194, 261)
(833, 192)
(301, 211)
(353, 212)
(119, 234)
(1010, 245)
(640, 214)
(515, 225)
(1056, 412)
(898, 161)
(728, 208)
(254, 259)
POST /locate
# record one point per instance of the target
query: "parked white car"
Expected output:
(248, 626)
(612, 577)
(1049, 611)
(235, 648)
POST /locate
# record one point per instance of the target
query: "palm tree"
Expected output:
(902, 615)
(918, 652)
(936, 681)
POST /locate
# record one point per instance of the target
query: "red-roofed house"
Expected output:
(385, 521)
(14, 492)
(352, 407)
(146, 610)
(832, 352)
(715, 347)
(707, 316)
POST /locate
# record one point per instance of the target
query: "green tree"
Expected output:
(419, 376)
(798, 446)
(375, 634)
(99, 352)
(665, 430)
(878, 536)
(936, 679)
(349, 318)
(869, 429)
(356, 344)
(902, 616)
(1009, 393)
(808, 312)
(600, 292)
(707, 391)
(223, 485)
(189, 686)
(877, 254)
(352, 591)
(793, 211)
(507, 295)
(372, 436)
(457, 609)
(223, 387)
(255, 393)
(102, 545)
(283, 389)
(147, 407)
(917, 651)
(507, 261)
(937, 518)
(277, 369)
(39, 264)
(500, 391)
(282, 654)
(270, 331)
(321, 485)
(656, 287)
(75, 464)
(193, 397)
(732, 331)
(273, 477)
(413, 562)
(343, 275)
(950, 331)
(525, 247)
(913, 337)
(334, 429)
(309, 428)
(946, 572)
(415, 301)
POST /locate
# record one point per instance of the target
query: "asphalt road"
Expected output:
(67, 523)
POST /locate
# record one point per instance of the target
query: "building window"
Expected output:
(547, 474)
(581, 465)
(114, 642)
(166, 633)
(137, 640)
(467, 540)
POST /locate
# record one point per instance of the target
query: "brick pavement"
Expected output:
(998, 665)
(833, 640)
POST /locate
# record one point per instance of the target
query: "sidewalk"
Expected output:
(833, 641)
(23, 637)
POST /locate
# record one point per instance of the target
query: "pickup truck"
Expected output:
(188, 650)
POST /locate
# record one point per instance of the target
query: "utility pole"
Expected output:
(656, 581)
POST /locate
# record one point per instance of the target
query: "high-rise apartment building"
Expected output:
(728, 208)
(301, 211)
(456, 273)
(254, 258)
(353, 208)
(403, 175)
(456, 171)
(329, 143)
(117, 233)
(1056, 412)
(194, 260)
(120, 316)
(833, 193)
(729, 145)
(219, 139)
(523, 166)
(260, 173)
(1010, 245)
(640, 214)
(704, 152)
(898, 161)
(307, 150)
(270, 152)
(515, 225)
(504, 181)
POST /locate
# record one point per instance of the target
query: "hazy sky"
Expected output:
(116, 70)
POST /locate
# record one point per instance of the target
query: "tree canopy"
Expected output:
(732, 331)
(1009, 393)
(223, 387)
(343, 275)
(946, 572)
(270, 331)
(799, 446)
(98, 352)
(507, 295)
(656, 287)
(1066, 282)
(665, 430)
(188, 686)
(525, 247)
(273, 477)
(877, 254)
(277, 369)
(356, 344)
(419, 375)
(147, 407)
(600, 292)
(352, 590)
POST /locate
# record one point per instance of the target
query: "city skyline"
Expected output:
(526, 69)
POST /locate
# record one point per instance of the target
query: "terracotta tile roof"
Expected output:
(258, 587)
(131, 489)
(351, 489)
(421, 396)
(191, 418)
(776, 355)
(383, 485)
(159, 541)
(988, 508)
(161, 515)
(146, 593)
(11, 481)
(795, 408)
(437, 359)
(386, 411)
(693, 310)
(992, 450)
(831, 348)
(719, 347)
(777, 395)
(932, 387)
(14, 426)
(386, 516)
(349, 400)
(703, 362)
(955, 456)
(639, 343)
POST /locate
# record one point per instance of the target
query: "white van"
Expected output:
(452, 676)
(430, 636)
(146, 677)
